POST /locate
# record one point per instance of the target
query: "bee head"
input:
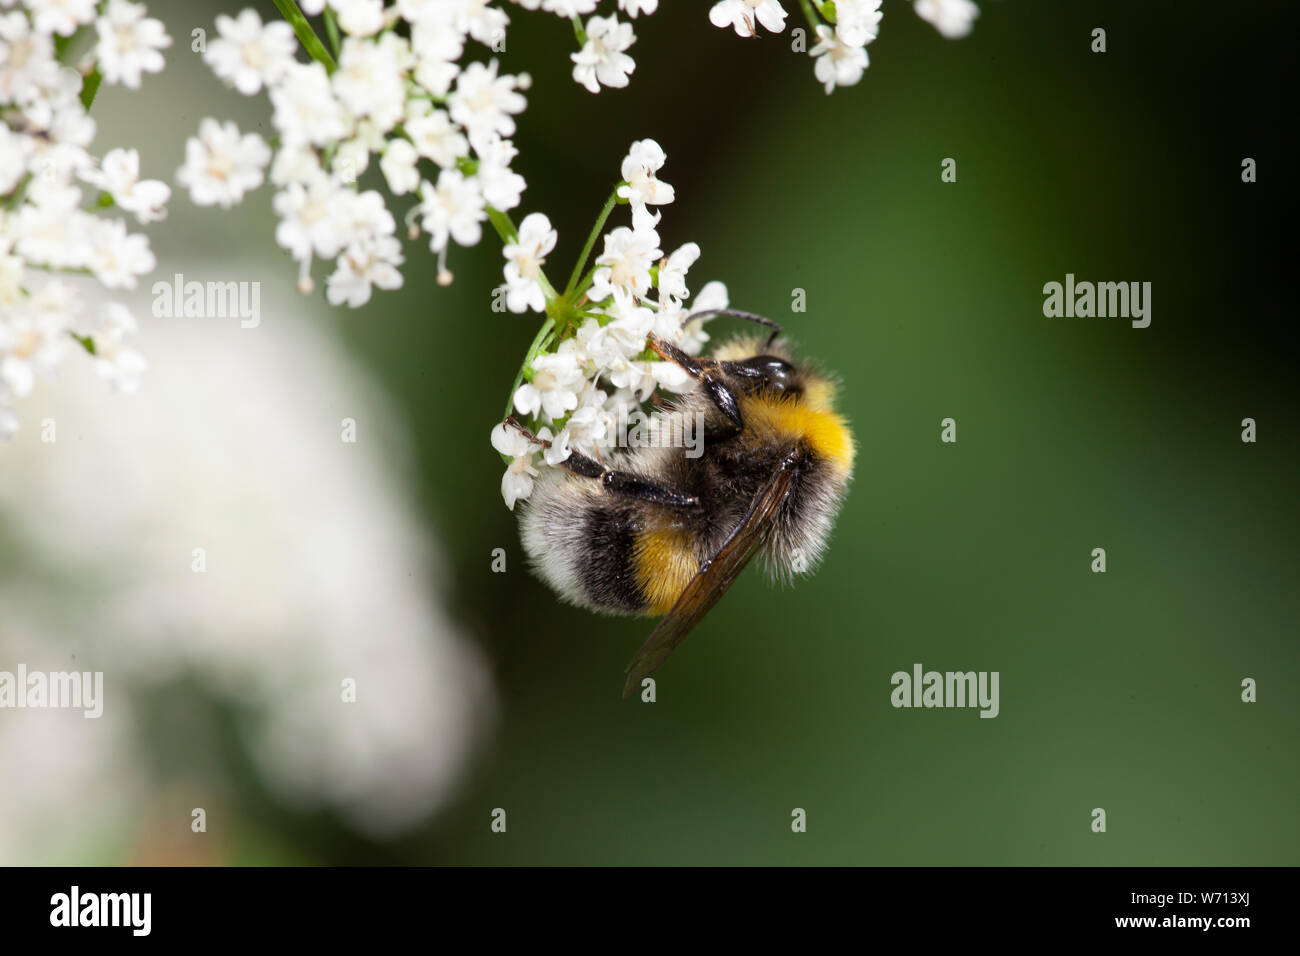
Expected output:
(766, 375)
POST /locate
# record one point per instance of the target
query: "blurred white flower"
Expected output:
(741, 15)
(634, 7)
(399, 167)
(306, 109)
(953, 18)
(47, 221)
(836, 63)
(130, 43)
(437, 138)
(221, 164)
(368, 262)
(61, 16)
(360, 18)
(301, 538)
(453, 209)
(371, 79)
(248, 55)
(119, 176)
(857, 21)
(485, 103)
(603, 59)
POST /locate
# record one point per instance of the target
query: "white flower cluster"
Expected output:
(597, 367)
(394, 85)
(56, 197)
(843, 28)
(439, 128)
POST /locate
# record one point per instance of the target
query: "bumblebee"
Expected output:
(657, 531)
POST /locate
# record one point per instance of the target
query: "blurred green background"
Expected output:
(1120, 690)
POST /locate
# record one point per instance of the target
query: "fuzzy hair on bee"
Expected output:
(653, 530)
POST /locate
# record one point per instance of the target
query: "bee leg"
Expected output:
(622, 483)
(714, 387)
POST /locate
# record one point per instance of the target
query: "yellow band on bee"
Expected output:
(664, 564)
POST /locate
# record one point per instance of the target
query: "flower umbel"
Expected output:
(59, 202)
(589, 366)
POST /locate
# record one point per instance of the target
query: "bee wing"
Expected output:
(716, 575)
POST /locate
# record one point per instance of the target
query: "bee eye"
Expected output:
(767, 373)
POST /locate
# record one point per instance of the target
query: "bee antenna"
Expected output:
(737, 314)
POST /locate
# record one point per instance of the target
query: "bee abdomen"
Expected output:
(606, 565)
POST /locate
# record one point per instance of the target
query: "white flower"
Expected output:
(31, 346)
(221, 165)
(437, 138)
(567, 8)
(953, 18)
(436, 50)
(13, 159)
(370, 79)
(741, 14)
(118, 258)
(425, 11)
(483, 22)
(502, 187)
(485, 103)
(398, 167)
(602, 60)
(306, 110)
(623, 337)
(119, 176)
(640, 187)
(517, 482)
(524, 260)
(452, 209)
(711, 298)
(359, 18)
(557, 379)
(312, 218)
(50, 227)
(625, 263)
(857, 21)
(129, 43)
(367, 262)
(120, 364)
(837, 63)
(672, 274)
(27, 62)
(61, 16)
(634, 7)
(248, 55)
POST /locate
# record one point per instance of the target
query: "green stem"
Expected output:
(579, 32)
(306, 35)
(591, 241)
(811, 17)
(332, 30)
(539, 342)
